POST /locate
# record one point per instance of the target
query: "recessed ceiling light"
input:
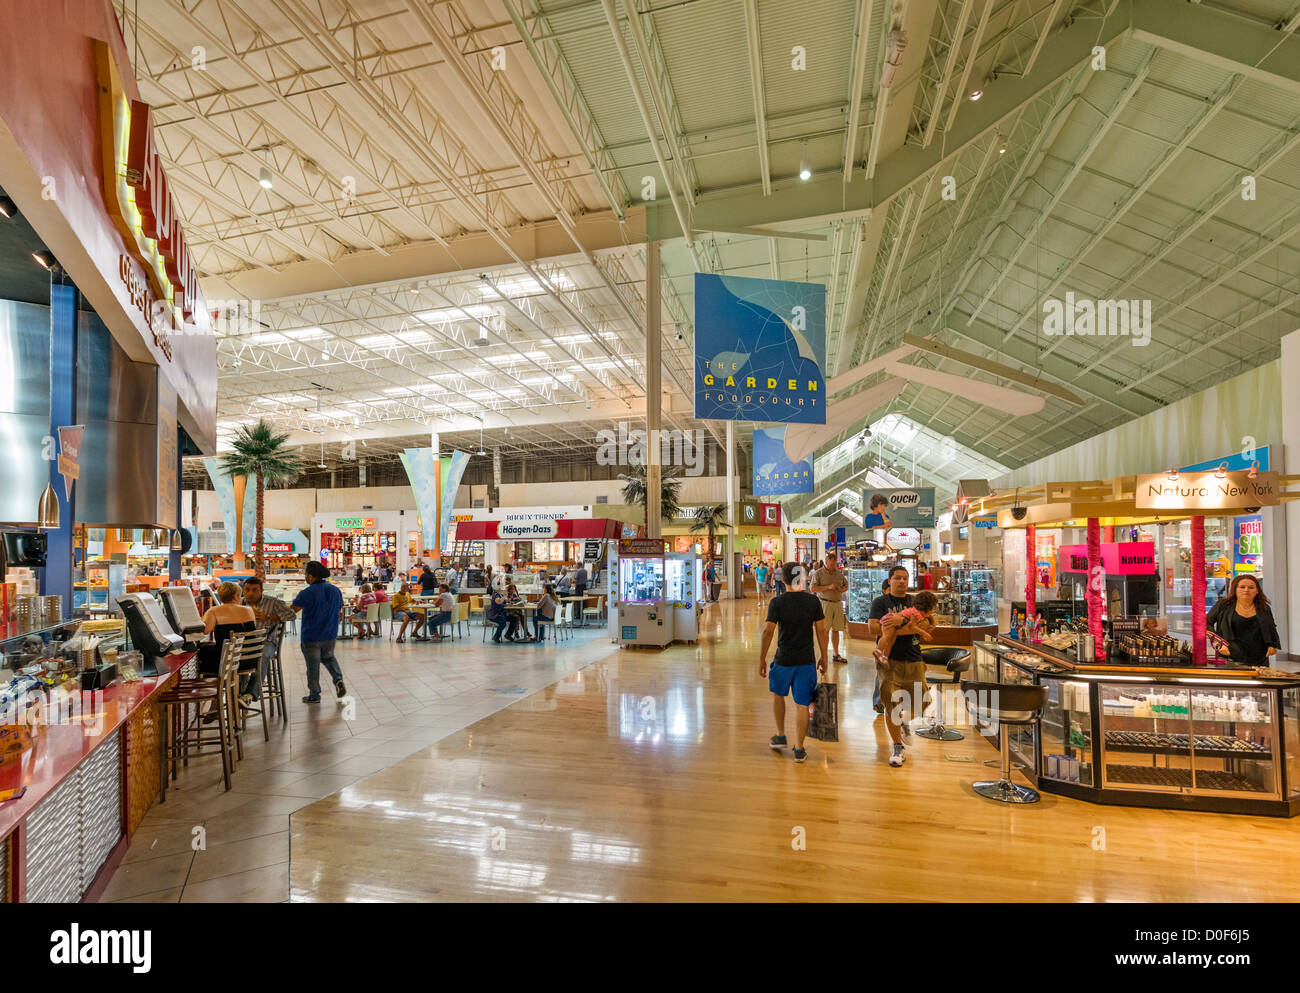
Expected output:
(46, 259)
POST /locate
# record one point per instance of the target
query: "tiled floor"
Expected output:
(206, 844)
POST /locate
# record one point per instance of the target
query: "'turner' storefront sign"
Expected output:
(138, 200)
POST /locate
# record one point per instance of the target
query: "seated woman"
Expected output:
(228, 615)
(359, 605)
(545, 611)
(446, 610)
(402, 612)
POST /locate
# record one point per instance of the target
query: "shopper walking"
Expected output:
(796, 620)
(428, 582)
(830, 584)
(902, 684)
(1244, 619)
(320, 604)
(760, 581)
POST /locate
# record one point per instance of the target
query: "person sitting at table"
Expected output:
(228, 615)
(506, 621)
(545, 611)
(359, 605)
(402, 612)
(444, 612)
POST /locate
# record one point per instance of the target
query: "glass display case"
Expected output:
(1066, 733)
(22, 647)
(1211, 738)
(865, 584)
(683, 582)
(967, 598)
(1156, 739)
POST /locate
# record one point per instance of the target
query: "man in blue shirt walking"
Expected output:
(320, 604)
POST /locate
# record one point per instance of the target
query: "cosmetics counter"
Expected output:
(1161, 734)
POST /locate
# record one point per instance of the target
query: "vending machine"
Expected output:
(639, 613)
(684, 583)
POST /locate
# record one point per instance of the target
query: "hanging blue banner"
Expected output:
(760, 350)
(774, 473)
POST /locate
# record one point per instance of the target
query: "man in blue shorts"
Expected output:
(796, 619)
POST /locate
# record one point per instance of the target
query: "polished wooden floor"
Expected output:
(647, 776)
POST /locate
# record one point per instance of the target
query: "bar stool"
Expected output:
(955, 661)
(1005, 705)
(180, 730)
(273, 682)
(249, 659)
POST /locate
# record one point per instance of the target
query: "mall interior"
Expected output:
(361, 334)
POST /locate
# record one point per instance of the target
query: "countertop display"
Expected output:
(1217, 738)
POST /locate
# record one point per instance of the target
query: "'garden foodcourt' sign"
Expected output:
(1209, 490)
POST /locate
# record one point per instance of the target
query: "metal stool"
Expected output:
(955, 661)
(1005, 705)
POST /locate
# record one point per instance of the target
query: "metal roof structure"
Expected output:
(440, 208)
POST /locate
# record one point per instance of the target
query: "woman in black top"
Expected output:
(227, 616)
(428, 582)
(1244, 619)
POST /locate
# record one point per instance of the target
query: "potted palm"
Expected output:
(634, 490)
(709, 518)
(259, 452)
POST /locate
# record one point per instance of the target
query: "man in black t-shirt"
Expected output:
(796, 619)
(902, 683)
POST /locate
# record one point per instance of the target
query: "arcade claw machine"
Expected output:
(639, 613)
(684, 578)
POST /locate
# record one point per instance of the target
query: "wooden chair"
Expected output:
(249, 657)
(273, 682)
(180, 730)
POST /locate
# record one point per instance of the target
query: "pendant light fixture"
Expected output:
(47, 508)
(176, 540)
(481, 449)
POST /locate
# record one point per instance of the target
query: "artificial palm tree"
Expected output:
(634, 490)
(261, 453)
(709, 518)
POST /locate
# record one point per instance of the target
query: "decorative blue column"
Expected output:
(174, 556)
(56, 579)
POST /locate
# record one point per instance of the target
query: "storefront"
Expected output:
(123, 341)
(536, 548)
(369, 539)
(806, 539)
(1142, 710)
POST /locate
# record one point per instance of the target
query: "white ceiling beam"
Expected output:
(754, 47)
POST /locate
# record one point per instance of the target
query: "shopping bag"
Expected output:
(824, 714)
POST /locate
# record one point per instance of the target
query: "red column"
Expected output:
(1031, 574)
(1096, 583)
(1198, 590)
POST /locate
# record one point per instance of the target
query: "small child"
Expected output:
(923, 605)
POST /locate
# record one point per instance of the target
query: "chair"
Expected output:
(955, 661)
(249, 657)
(386, 614)
(476, 607)
(1004, 705)
(462, 615)
(372, 615)
(593, 611)
(273, 681)
(565, 620)
(180, 731)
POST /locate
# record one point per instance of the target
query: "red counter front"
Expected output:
(89, 782)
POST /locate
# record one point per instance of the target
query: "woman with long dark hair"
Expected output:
(1244, 619)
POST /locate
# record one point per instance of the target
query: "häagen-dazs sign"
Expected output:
(527, 529)
(1211, 490)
